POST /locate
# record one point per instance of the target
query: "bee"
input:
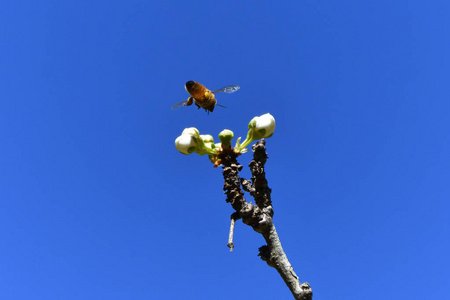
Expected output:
(202, 97)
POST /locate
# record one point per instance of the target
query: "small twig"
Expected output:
(230, 236)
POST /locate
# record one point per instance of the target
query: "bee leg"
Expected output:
(207, 95)
(189, 102)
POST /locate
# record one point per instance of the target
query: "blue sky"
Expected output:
(96, 202)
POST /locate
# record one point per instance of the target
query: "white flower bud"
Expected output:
(186, 143)
(207, 138)
(265, 125)
(258, 128)
(191, 131)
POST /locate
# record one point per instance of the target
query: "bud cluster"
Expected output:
(191, 141)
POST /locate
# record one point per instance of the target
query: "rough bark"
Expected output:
(259, 216)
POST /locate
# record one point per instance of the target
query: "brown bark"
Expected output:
(259, 216)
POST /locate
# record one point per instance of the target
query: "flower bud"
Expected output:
(186, 143)
(207, 138)
(264, 126)
(191, 131)
(208, 142)
(225, 137)
(258, 128)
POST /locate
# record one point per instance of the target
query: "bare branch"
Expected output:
(259, 216)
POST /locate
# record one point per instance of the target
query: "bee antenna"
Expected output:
(221, 105)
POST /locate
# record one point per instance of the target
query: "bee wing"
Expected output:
(228, 89)
(179, 104)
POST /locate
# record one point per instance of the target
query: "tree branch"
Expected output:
(259, 216)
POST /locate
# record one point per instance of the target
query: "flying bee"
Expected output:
(202, 97)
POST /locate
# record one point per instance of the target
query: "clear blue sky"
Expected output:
(96, 202)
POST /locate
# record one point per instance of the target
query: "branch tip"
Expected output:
(230, 235)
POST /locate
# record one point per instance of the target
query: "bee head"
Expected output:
(190, 84)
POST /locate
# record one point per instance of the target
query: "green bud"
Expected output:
(225, 137)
